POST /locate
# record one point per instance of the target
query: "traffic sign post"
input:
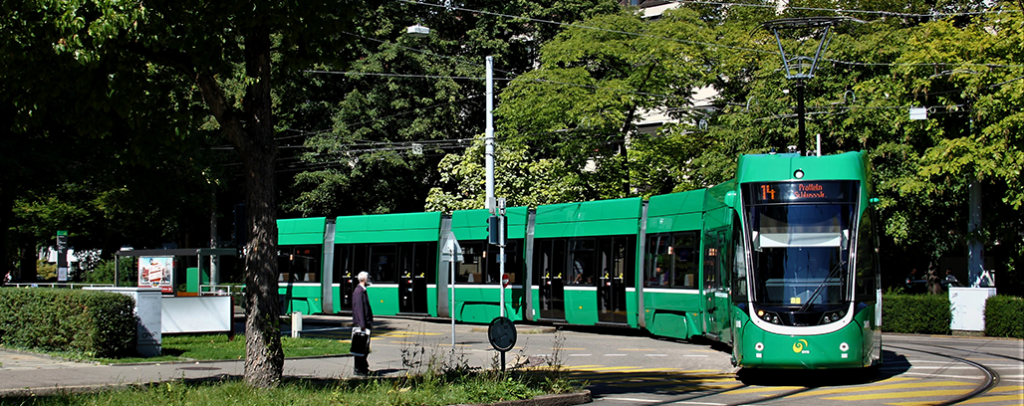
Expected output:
(452, 253)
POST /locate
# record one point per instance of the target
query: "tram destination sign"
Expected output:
(795, 192)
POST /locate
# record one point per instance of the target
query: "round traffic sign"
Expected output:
(502, 334)
(504, 280)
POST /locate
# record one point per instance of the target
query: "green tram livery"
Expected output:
(779, 262)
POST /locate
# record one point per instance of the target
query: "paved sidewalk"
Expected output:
(394, 340)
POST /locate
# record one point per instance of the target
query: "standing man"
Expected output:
(362, 319)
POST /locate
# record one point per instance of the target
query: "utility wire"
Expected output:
(707, 44)
(850, 11)
(425, 52)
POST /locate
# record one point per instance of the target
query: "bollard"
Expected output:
(296, 324)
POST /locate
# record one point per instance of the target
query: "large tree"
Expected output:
(230, 55)
(87, 147)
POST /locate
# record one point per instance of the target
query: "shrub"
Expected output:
(916, 314)
(96, 324)
(1004, 316)
(104, 272)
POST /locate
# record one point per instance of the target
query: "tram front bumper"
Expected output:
(840, 349)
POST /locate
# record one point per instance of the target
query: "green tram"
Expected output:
(779, 262)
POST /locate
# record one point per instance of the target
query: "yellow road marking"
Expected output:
(758, 389)
(658, 371)
(900, 395)
(831, 391)
(690, 388)
(900, 379)
(1005, 389)
(408, 333)
(607, 369)
(679, 381)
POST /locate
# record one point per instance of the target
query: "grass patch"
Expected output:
(208, 347)
(428, 389)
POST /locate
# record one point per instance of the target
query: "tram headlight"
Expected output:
(768, 316)
(844, 347)
(832, 317)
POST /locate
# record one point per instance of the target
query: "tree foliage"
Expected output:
(964, 68)
(401, 91)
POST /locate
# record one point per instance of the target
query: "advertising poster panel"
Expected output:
(157, 272)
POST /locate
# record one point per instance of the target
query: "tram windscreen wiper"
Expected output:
(817, 291)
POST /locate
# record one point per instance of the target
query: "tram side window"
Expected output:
(866, 260)
(739, 264)
(550, 259)
(684, 265)
(472, 269)
(615, 259)
(350, 260)
(383, 263)
(712, 250)
(657, 261)
(581, 262)
(425, 261)
(513, 261)
(625, 259)
(299, 263)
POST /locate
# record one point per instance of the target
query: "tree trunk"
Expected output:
(27, 266)
(6, 222)
(264, 357)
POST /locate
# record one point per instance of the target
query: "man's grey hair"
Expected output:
(363, 276)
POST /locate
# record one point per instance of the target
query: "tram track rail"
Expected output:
(981, 352)
(991, 379)
(704, 396)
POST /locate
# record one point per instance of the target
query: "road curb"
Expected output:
(522, 329)
(564, 399)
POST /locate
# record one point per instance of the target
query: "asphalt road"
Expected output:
(621, 367)
(625, 367)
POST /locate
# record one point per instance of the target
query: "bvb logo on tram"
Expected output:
(799, 346)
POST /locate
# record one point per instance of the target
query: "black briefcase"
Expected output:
(360, 343)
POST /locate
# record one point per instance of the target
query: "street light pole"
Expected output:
(489, 136)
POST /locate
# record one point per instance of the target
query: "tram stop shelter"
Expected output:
(164, 268)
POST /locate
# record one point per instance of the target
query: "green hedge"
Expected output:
(916, 314)
(1004, 316)
(92, 323)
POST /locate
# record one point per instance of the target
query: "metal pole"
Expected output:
(452, 311)
(502, 280)
(501, 262)
(801, 145)
(975, 247)
(489, 135)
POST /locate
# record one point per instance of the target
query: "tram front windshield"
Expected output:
(801, 245)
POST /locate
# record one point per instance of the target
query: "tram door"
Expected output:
(717, 274)
(613, 273)
(550, 265)
(415, 268)
(350, 259)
